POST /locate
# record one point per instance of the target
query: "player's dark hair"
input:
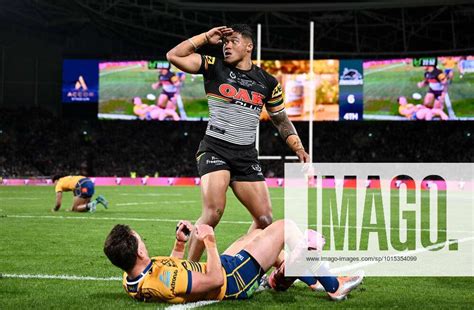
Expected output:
(57, 177)
(245, 30)
(121, 247)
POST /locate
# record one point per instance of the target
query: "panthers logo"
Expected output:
(277, 91)
(210, 60)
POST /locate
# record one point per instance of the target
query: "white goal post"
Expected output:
(312, 97)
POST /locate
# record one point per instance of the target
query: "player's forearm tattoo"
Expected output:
(283, 125)
(295, 144)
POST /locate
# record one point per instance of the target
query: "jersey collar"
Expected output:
(139, 277)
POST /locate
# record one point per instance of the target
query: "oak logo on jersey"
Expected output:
(241, 94)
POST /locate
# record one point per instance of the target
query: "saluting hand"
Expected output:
(215, 35)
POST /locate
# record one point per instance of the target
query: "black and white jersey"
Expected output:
(236, 99)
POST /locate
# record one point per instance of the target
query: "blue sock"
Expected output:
(308, 280)
(330, 284)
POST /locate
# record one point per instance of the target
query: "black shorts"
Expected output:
(436, 93)
(241, 160)
(169, 95)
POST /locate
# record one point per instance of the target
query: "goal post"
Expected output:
(312, 97)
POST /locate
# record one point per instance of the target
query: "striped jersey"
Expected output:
(236, 99)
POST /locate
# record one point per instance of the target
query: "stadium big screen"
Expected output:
(428, 88)
(155, 90)
(419, 88)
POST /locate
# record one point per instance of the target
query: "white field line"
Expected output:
(192, 305)
(57, 277)
(156, 203)
(149, 194)
(119, 70)
(20, 198)
(176, 220)
(383, 69)
(407, 253)
(113, 219)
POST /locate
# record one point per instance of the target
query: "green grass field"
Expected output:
(119, 86)
(385, 83)
(34, 241)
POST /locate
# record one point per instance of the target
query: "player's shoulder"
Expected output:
(165, 261)
(269, 80)
(211, 60)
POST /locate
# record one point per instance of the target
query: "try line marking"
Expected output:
(60, 217)
(191, 305)
(57, 277)
(112, 219)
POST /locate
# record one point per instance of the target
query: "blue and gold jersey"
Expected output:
(67, 184)
(169, 279)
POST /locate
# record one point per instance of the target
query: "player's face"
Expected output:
(236, 47)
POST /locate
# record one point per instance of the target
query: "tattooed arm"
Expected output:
(289, 135)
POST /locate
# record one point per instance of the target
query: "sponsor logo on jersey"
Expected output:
(165, 278)
(173, 282)
(276, 91)
(169, 263)
(210, 60)
(215, 161)
(241, 94)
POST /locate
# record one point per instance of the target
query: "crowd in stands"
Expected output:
(34, 143)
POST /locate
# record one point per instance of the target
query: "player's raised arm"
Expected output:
(184, 54)
(213, 278)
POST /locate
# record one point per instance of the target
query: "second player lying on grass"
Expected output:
(233, 275)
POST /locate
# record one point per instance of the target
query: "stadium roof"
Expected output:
(342, 28)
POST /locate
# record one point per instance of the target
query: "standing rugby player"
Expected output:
(237, 91)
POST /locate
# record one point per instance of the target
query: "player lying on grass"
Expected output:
(153, 112)
(419, 112)
(233, 275)
(83, 190)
